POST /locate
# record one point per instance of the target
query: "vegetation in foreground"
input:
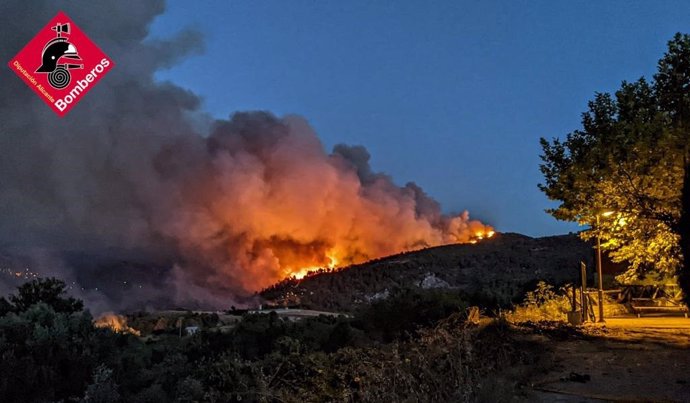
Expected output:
(414, 345)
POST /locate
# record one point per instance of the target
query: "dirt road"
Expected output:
(627, 359)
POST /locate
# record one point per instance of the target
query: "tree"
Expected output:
(629, 158)
(674, 87)
(684, 279)
(103, 389)
(46, 355)
(5, 307)
(49, 291)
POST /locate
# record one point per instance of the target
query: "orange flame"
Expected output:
(301, 272)
(116, 323)
(293, 270)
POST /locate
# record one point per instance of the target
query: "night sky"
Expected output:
(451, 95)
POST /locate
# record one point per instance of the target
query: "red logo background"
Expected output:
(29, 59)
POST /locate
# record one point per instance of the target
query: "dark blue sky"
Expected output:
(451, 95)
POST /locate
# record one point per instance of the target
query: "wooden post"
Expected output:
(574, 297)
(583, 276)
(574, 316)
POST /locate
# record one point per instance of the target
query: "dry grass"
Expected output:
(547, 304)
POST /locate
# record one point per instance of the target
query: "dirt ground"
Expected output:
(626, 360)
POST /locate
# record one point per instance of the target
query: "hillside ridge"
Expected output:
(496, 270)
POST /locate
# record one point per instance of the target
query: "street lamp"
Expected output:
(601, 281)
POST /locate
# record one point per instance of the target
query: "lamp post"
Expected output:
(601, 280)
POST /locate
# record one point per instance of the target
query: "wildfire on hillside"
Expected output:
(233, 205)
(479, 235)
(333, 257)
(230, 205)
(271, 203)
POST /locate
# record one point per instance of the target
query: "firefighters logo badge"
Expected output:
(61, 64)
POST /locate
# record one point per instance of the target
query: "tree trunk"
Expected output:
(684, 277)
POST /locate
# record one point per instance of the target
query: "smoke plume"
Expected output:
(225, 207)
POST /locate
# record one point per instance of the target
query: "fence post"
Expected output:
(583, 276)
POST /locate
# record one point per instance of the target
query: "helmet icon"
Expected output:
(56, 57)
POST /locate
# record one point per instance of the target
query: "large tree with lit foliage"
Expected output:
(629, 158)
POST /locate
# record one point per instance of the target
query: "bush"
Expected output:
(399, 316)
(103, 389)
(46, 355)
(542, 304)
(412, 346)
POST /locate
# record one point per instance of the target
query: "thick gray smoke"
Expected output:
(128, 185)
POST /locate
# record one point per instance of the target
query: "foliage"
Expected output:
(542, 304)
(425, 352)
(403, 312)
(50, 291)
(546, 304)
(542, 294)
(446, 363)
(628, 158)
(46, 355)
(684, 275)
(103, 389)
(46, 343)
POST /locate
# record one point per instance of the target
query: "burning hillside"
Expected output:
(235, 204)
(269, 203)
(496, 271)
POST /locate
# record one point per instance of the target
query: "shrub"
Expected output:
(542, 304)
(400, 315)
